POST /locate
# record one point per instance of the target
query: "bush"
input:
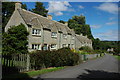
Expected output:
(85, 48)
(61, 57)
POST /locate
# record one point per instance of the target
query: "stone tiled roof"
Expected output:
(82, 38)
(36, 20)
(43, 22)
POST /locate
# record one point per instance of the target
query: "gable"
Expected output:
(15, 20)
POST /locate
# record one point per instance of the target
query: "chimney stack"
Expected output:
(49, 17)
(66, 23)
(17, 5)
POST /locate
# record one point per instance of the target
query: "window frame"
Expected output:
(65, 36)
(36, 32)
(36, 46)
(54, 34)
(55, 46)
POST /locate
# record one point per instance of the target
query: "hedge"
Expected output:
(58, 58)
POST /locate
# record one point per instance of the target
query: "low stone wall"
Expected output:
(84, 57)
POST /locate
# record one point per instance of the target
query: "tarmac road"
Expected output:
(104, 67)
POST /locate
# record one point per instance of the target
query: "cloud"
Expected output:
(111, 18)
(111, 35)
(81, 7)
(109, 7)
(95, 26)
(58, 13)
(110, 23)
(57, 7)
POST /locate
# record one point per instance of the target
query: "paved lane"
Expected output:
(104, 67)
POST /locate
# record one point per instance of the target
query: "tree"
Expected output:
(40, 9)
(79, 25)
(24, 6)
(7, 11)
(15, 40)
(61, 21)
(79, 19)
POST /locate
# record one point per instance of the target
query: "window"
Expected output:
(45, 47)
(36, 32)
(73, 37)
(54, 34)
(53, 46)
(65, 36)
(72, 45)
(36, 46)
(69, 45)
(64, 45)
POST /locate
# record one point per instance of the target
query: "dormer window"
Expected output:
(36, 32)
(54, 34)
(65, 36)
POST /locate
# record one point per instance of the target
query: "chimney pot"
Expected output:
(49, 17)
(17, 5)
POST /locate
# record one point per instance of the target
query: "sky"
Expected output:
(67, 0)
(101, 16)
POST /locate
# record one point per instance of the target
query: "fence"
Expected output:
(16, 62)
(21, 62)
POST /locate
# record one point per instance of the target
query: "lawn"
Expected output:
(32, 73)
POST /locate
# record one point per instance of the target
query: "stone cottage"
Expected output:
(44, 33)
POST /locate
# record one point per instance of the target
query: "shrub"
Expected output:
(85, 48)
(61, 57)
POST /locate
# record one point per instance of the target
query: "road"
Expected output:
(104, 67)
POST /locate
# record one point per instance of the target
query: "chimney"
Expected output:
(49, 17)
(17, 5)
(66, 23)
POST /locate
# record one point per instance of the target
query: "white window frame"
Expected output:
(73, 37)
(55, 46)
(53, 34)
(36, 46)
(36, 32)
(65, 36)
(64, 45)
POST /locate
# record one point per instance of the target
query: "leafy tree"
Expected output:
(79, 19)
(24, 6)
(15, 40)
(61, 21)
(96, 44)
(7, 11)
(40, 9)
(79, 25)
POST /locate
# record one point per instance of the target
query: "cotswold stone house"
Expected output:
(44, 33)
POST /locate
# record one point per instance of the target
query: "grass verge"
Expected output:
(32, 73)
(118, 57)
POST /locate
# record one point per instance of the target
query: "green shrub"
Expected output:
(61, 57)
(85, 48)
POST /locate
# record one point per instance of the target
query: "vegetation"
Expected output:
(40, 9)
(15, 40)
(29, 74)
(78, 23)
(61, 57)
(104, 45)
(61, 21)
(118, 57)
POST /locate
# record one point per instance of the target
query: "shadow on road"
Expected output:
(97, 74)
